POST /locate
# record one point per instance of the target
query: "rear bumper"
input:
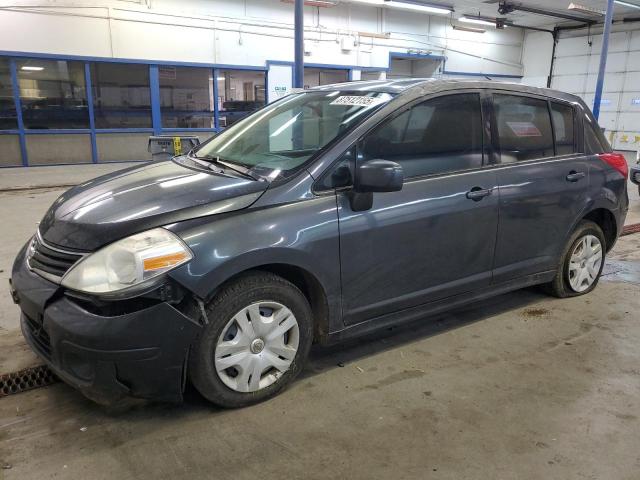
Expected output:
(140, 353)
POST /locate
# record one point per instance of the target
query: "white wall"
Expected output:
(248, 32)
(575, 71)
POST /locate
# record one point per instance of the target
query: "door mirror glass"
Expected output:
(379, 176)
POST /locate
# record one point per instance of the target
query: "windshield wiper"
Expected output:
(242, 170)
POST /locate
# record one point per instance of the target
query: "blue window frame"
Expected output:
(97, 100)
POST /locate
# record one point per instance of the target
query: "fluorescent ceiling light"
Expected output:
(221, 78)
(409, 5)
(29, 68)
(576, 7)
(419, 7)
(316, 3)
(468, 29)
(321, 3)
(627, 4)
(476, 20)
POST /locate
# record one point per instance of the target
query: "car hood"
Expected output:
(119, 204)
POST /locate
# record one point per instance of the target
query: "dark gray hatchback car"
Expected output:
(324, 215)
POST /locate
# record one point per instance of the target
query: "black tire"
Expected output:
(233, 297)
(560, 286)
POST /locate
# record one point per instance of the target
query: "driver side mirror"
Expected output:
(378, 176)
(374, 176)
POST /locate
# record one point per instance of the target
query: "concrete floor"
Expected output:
(519, 386)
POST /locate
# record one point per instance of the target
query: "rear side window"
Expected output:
(440, 135)
(562, 116)
(524, 128)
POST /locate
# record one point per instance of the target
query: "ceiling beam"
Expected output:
(506, 7)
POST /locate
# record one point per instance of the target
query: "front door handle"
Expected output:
(575, 176)
(478, 193)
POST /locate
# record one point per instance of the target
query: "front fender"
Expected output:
(302, 234)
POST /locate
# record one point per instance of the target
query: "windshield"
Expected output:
(284, 135)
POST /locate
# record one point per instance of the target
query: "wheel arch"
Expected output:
(310, 287)
(606, 220)
(320, 286)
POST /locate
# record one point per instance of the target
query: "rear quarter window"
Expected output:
(594, 140)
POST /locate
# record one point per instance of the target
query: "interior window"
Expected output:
(437, 136)
(562, 116)
(53, 93)
(524, 128)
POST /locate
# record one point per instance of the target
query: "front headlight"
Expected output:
(128, 262)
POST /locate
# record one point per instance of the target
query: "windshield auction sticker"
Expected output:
(356, 101)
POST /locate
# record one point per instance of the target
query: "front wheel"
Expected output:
(581, 263)
(257, 340)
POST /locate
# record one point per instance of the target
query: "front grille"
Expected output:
(50, 262)
(38, 335)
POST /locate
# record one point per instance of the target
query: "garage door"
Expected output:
(576, 70)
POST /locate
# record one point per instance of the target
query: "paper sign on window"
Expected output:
(524, 129)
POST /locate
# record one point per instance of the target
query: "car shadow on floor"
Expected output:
(324, 358)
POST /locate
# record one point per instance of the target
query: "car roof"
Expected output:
(424, 86)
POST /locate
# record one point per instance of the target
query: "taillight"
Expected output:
(617, 161)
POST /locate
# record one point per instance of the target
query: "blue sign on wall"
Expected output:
(635, 101)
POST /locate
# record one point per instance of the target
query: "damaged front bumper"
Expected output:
(104, 353)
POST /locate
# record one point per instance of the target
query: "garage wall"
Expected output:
(250, 32)
(536, 58)
(199, 65)
(576, 69)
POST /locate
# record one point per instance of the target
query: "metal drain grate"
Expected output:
(27, 379)
(629, 229)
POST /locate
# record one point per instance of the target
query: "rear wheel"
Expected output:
(257, 340)
(582, 261)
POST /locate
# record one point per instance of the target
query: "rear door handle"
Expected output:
(575, 176)
(478, 193)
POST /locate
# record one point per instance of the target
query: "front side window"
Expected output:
(524, 128)
(562, 116)
(52, 93)
(434, 137)
(284, 135)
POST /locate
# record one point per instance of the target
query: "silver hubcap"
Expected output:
(257, 346)
(585, 262)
